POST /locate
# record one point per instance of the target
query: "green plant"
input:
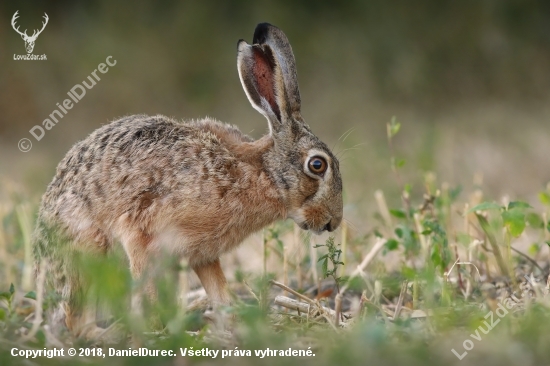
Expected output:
(333, 255)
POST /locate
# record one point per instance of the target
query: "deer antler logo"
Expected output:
(29, 41)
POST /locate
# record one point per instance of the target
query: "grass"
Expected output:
(445, 277)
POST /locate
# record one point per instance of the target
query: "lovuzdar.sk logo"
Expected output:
(29, 40)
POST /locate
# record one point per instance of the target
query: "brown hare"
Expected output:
(192, 189)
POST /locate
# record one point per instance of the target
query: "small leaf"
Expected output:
(323, 257)
(454, 193)
(318, 245)
(398, 213)
(2, 314)
(485, 206)
(547, 243)
(544, 198)
(534, 220)
(518, 204)
(325, 267)
(12, 289)
(5, 295)
(514, 219)
(399, 232)
(393, 127)
(426, 232)
(41, 337)
(31, 295)
(534, 249)
(408, 272)
(392, 244)
(436, 257)
(400, 163)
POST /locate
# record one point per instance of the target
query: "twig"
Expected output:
(400, 300)
(383, 207)
(493, 242)
(330, 322)
(250, 290)
(368, 258)
(338, 309)
(528, 258)
(313, 259)
(297, 294)
(344, 246)
(264, 244)
(302, 307)
(460, 283)
(108, 329)
(285, 265)
(22, 212)
(419, 229)
(299, 255)
(446, 274)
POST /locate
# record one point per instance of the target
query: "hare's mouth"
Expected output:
(305, 226)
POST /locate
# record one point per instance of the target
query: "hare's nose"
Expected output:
(333, 223)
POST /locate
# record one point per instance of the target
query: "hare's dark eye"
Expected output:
(317, 165)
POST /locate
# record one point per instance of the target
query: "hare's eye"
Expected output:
(317, 165)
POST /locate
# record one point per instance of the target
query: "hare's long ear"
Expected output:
(268, 74)
(267, 34)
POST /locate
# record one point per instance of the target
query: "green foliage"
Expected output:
(333, 255)
(513, 216)
(393, 127)
(400, 214)
(440, 254)
(486, 206)
(514, 220)
(544, 198)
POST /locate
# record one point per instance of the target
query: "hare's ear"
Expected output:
(257, 71)
(268, 74)
(267, 34)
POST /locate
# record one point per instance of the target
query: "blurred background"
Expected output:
(469, 81)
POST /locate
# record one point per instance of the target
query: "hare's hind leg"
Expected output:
(52, 247)
(76, 304)
(213, 281)
(79, 302)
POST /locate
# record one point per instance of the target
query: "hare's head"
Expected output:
(302, 166)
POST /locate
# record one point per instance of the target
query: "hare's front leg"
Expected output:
(141, 270)
(213, 281)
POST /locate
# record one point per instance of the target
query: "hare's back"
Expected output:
(124, 166)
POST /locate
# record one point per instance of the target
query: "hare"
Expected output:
(193, 189)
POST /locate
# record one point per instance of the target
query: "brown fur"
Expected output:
(191, 189)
